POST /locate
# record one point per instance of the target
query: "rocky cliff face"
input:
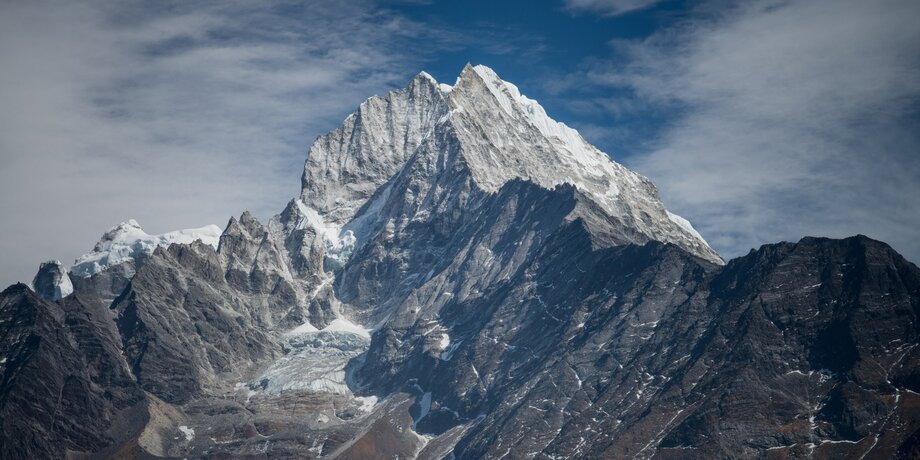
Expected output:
(772, 356)
(463, 277)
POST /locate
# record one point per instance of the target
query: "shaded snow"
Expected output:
(65, 287)
(424, 408)
(448, 353)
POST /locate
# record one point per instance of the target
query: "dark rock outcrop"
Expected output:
(63, 381)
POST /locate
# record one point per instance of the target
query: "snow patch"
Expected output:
(424, 408)
(339, 245)
(127, 241)
(444, 88)
(302, 329)
(188, 432)
(344, 325)
(367, 403)
(445, 341)
(427, 76)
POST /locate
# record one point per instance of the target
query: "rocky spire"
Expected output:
(52, 281)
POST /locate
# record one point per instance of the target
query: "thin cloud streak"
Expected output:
(607, 7)
(791, 119)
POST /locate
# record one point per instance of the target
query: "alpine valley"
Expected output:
(462, 277)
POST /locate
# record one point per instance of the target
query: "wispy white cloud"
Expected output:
(178, 116)
(607, 7)
(791, 118)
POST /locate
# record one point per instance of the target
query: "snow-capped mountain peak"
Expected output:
(501, 135)
(127, 241)
(507, 136)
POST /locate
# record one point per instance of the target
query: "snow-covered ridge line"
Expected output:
(536, 114)
(127, 240)
(684, 224)
(570, 159)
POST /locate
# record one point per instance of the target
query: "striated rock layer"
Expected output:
(462, 277)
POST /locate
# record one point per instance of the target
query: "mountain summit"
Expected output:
(482, 133)
(461, 277)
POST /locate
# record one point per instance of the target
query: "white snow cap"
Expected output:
(128, 240)
(559, 154)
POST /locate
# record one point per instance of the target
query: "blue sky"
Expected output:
(759, 121)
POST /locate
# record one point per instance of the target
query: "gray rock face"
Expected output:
(279, 265)
(462, 277)
(346, 167)
(183, 328)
